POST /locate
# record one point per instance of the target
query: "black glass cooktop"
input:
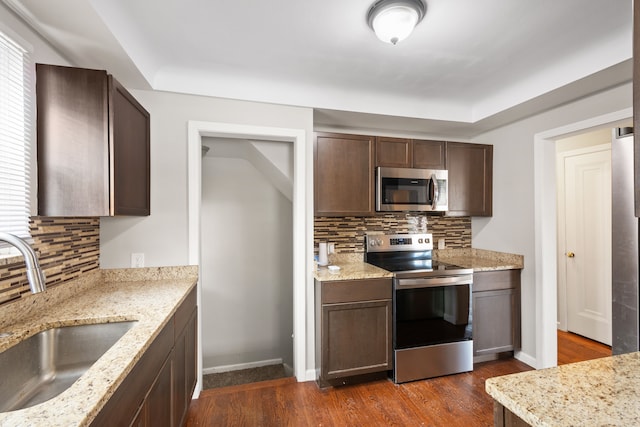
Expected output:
(413, 265)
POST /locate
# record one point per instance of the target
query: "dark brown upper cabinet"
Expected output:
(93, 145)
(470, 169)
(394, 152)
(408, 153)
(429, 154)
(344, 174)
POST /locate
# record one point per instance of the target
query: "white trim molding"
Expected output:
(546, 286)
(302, 224)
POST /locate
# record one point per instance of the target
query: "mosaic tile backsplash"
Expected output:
(66, 248)
(348, 232)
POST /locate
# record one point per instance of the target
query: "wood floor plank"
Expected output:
(575, 348)
(454, 400)
(451, 400)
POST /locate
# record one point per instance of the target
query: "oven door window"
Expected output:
(434, 315)
(405, 191)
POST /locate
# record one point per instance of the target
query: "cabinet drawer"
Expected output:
(356, 290)
(496, 280)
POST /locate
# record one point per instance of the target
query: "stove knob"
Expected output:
(379, 242)
(420, 241)
(372, 243)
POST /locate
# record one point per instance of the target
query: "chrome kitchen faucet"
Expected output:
(35, 276)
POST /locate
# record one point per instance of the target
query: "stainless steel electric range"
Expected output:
(432, 314)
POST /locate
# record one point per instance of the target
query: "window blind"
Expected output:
(15, 137)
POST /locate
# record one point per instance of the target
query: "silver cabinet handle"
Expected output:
(436, 191)
(433, 282)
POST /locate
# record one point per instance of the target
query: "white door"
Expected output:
(588, 243)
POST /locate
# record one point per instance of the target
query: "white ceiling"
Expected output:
(469, 66)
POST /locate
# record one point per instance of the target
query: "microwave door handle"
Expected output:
(435, 191)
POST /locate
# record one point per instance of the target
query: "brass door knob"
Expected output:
(570, 254)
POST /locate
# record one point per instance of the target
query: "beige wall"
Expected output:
(513, 225)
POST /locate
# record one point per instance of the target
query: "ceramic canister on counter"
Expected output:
(322, 254)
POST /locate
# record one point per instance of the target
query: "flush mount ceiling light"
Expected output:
(394, 20)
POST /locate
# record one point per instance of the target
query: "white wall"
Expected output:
(247, 265)
(42, 51)
(584, 140)
(511, 229)
(162, 236)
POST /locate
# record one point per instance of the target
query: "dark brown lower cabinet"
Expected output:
(184, 372)
(158, 390)
(502, 417)
(496, 313)
(158, 401)
(353, 329)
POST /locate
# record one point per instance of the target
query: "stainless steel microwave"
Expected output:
(407, 189)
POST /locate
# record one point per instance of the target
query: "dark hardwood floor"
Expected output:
(451, 400)
(575, 348)
(454, 400)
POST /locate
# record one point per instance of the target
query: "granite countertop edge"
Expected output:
(148, 295)
(596, 392)
(352, 265)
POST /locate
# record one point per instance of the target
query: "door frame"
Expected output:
(545, 245)
(562, 249)
(302, 222)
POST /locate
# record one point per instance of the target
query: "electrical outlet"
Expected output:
(137, 260)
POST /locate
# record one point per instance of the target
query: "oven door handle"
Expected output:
(433, 282)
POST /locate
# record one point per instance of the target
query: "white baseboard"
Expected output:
(239, 366)
(526, 358)
(310, 375)
(288, 370)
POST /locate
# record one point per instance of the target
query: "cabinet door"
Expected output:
(356, 338)
(393, 152)
(125, 403)
(184, 376)
(72, 139)
(130, 143)
(494, 322)
(141, 417)
(159, 400)
(470, 169)
(344, 175)
(429, 154)
(93, 145)
(191, 359)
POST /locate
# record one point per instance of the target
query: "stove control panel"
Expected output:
(398, 242)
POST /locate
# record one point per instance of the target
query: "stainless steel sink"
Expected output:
(49, 362)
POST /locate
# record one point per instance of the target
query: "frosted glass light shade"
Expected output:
(394, 20)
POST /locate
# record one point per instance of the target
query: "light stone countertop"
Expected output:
(148, 295)
(480, 259)
(353, 267)
(600, 392)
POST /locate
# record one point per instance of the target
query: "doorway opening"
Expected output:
(247, 260)
(546, 242)
(302, 248)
